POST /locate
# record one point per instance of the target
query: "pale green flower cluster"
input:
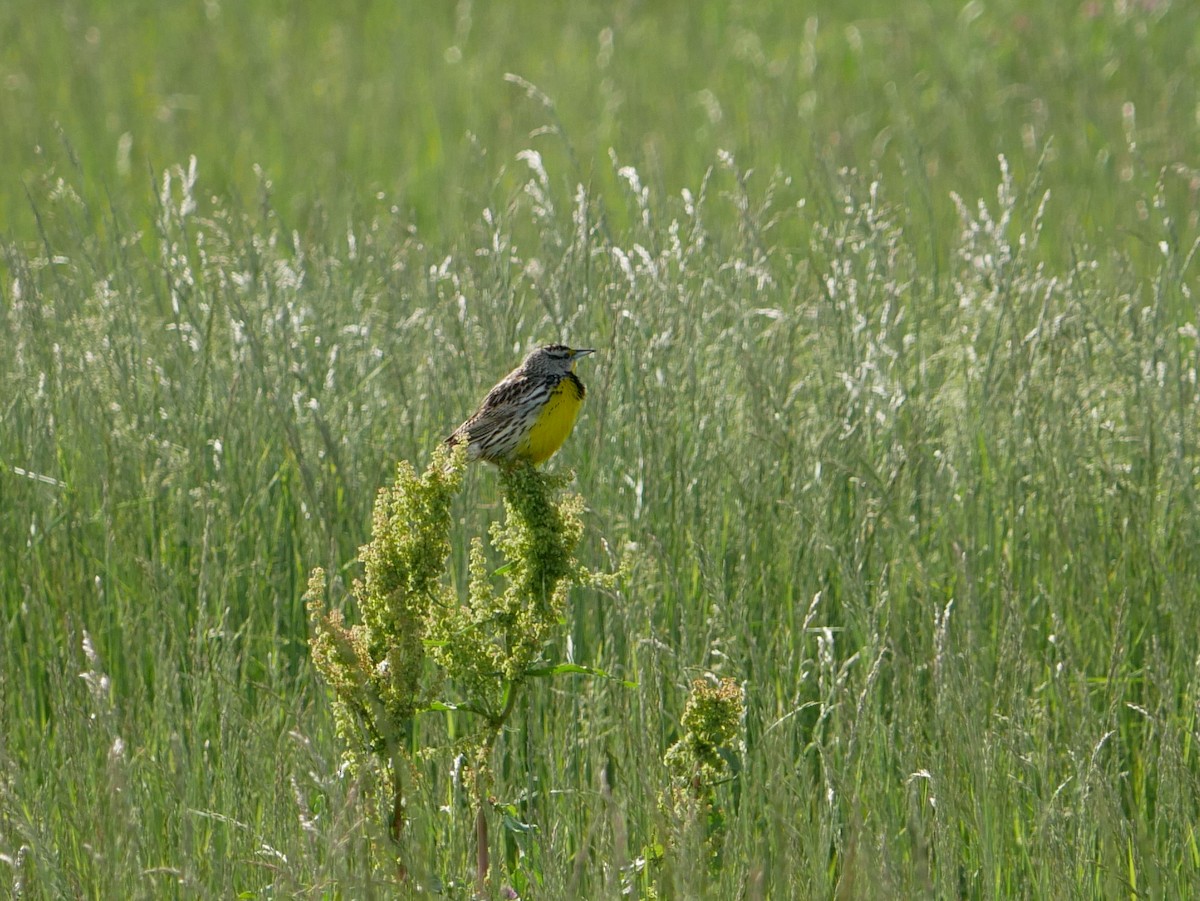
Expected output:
(376, 668)
(708, 754)
(419, 647)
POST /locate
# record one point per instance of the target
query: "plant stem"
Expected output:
(397, 822)
(481, 851)
(396, 826)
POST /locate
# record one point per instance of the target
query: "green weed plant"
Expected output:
(420, 649)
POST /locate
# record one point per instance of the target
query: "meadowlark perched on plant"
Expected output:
(530, 412)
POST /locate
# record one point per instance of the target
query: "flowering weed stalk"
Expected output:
(706, 756)
(419, 648)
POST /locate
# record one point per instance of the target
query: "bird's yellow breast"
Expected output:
(555, 422)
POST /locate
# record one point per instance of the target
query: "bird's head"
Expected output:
(557, 359)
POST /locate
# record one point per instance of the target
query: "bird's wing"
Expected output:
(498, 407)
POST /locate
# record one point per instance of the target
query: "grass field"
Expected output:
(894, 411)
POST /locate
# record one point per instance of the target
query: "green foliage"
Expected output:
(503, 632)
(712, 736)
(480, 651)
(707, 755)
(376, 669)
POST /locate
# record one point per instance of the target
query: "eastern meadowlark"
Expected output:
(530, 412)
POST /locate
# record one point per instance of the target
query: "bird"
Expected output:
(530, 412)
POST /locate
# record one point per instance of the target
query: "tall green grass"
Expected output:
(902, 434)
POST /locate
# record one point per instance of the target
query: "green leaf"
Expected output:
(512, 824)
(452, 707)
(577, 669)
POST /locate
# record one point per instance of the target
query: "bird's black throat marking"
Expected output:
(575, 385)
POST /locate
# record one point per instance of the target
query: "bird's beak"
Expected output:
(583, 352)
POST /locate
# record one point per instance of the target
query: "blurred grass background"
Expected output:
(905, 435)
